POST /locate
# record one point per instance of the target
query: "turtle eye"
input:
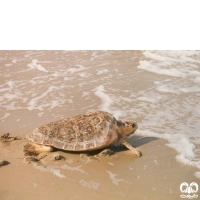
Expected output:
(133, 125)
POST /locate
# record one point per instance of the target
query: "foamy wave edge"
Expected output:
(181, 144)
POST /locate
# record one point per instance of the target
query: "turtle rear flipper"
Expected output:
(36, 149)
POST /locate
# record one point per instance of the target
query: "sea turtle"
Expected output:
(85, 132)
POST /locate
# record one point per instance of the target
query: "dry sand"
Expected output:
(156, 175)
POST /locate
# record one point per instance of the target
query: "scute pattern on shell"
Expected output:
(81, 132)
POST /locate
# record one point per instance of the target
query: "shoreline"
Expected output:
(155, 175)
(158, 89)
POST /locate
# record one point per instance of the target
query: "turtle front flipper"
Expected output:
(35, 149)
(126, 142)
(133, 150)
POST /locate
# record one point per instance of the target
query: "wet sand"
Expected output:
(37, 92)
(156, 175)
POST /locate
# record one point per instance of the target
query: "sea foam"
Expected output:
(35, 65)
(161, 93)
(50, 169)
(107, 102)
(115, 180)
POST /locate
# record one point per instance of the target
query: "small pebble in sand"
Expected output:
(110, 163)
(2, 162)
(106, 152)
(83, 155)
(42, 155)
(30, 159)
(57, 156)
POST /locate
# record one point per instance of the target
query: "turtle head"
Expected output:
(127, 127)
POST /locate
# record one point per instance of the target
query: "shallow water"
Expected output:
(159, 89)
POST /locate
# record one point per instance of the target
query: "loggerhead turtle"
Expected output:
(85, 132)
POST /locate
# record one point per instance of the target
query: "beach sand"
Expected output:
(38, 87)
(155, 175)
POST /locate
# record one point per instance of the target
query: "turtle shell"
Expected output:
(78, 133)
